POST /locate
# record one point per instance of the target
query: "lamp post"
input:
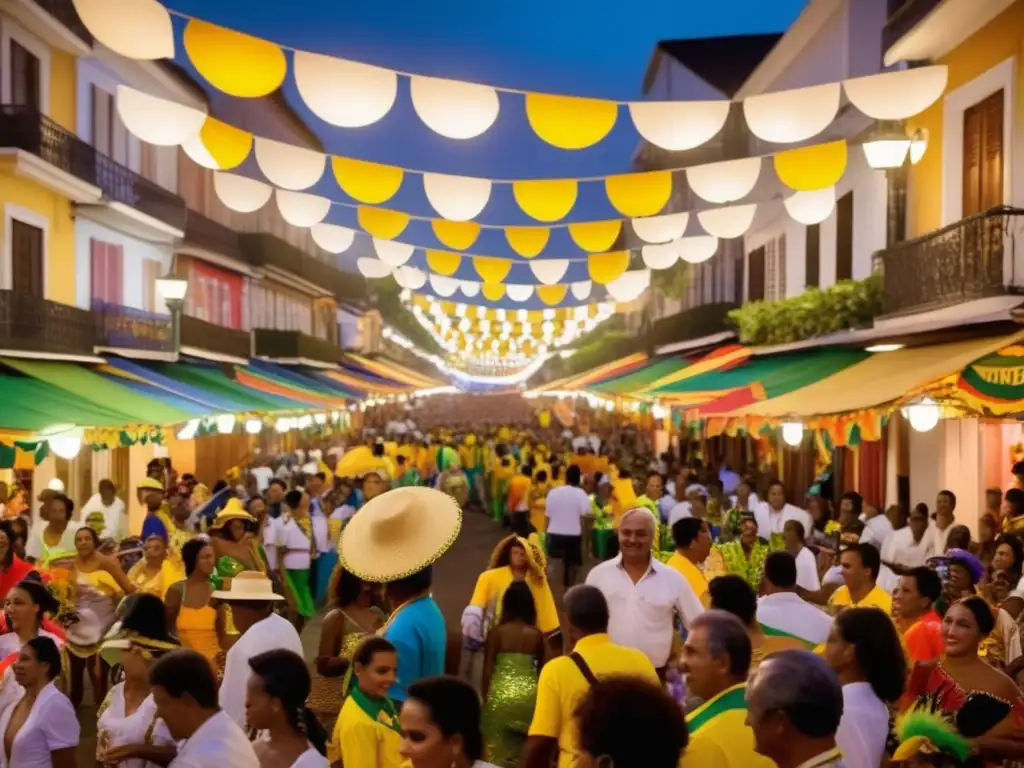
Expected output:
(172, 290)
(891, 149)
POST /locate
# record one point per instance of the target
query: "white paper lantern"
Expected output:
(199, 154)
(660, 255)
(348, 94)
(411, 278)
(630, 285)
(581, 290)
(253, 426)
(793, 433)
(444, 286)
(786, 117)
(332, 238)
(372, 268)
(469, 288)
(67, 444)
(225, 423)
(731, 221)
(697, 249)
(678, 125)
(189, 429)
(549, 271)
(157, 121)
(811, 207)
(240, 193)
(457, 198)
(288, 166)
(518, 292)
(724, 182)
(391, 252)
(923, 415)
(135, 29)
(661, 229)
(301, 209)
(456, 110)
(897, 95)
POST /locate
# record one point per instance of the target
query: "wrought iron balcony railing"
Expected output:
(292, 345)
(211, 235)
(32, 324)
(270, 251)
(963, 261)
(27, 129)
(64, 12)
(201, 334)
(692, 323)
(904, 15)
(120, 327)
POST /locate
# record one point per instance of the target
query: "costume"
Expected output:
(719, 734)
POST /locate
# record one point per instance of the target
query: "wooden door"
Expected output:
(983, 155)
(812, 257)
(755, 275)
(26, 259)
(25, 81)
(844, 237)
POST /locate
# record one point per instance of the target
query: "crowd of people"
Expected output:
(640, 610)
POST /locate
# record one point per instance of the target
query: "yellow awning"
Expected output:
(881, 379)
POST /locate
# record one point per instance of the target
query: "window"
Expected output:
(152, 270)
(812, 257)
(844, 237)
(106, 262)
(109, 136)
(27, 259)
(25, 78)
(983, 155)
(756, 275)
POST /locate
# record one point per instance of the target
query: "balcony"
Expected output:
(119, 327)
(265, 250)
(293, 346)
(33, 324)
(64, 12)
(27, 129)
(694, 323)
(973, 258)
(199, 334)
(210, 235)
(926, 30)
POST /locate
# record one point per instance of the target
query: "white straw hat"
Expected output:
(249, 585)
(399, 533)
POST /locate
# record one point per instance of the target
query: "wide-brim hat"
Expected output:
(535, 558)
(150, 484)
(399, 533)
(250, 586)
(233, 510)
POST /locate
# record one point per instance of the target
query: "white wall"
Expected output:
(953, 456)
(135, 252)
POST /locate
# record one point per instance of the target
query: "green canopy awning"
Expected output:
(642, 377)
(34, 405)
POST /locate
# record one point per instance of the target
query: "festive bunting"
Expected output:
(595, 236)
(371, 183)
(332, 238)
(786, 117)
(135, 29)
(233, 62)
(454, 109)
(679, 125)
(814, 167)
(347, 94)
(288, 166)
(570, 122)
(157, 121)
(724, 182)
(300, 209)
(527, 241)
(459, 235)
(604, 268)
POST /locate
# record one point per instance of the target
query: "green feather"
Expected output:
(934, 727)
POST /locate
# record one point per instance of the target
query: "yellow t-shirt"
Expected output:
(719, 735)
(362, 740)
(562, 686)
(876, 598)
(491, 586)
(693, 575)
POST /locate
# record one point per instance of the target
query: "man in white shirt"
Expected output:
(877, 528)
(566, 506)
(912, 545)
(794, 536)
(945, 515)
(782, 610)
(185, 694)
(115, 518)
(251, 598)
(772, 515)
(644, 595)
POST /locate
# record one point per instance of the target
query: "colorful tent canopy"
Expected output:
(580, 381)
(210, 401)
(640, 377)
(389, 369)
(32, 405)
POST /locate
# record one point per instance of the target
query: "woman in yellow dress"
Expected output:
(367, 734)
(155, 572)
(199, 625)
(538, 497)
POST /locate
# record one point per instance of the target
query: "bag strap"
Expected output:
(583, 667)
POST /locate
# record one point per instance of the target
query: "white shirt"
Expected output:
(115, 521)
(10, 690)
(263, 477)
(666, 504)
(789, 613)
(752, 501)
(270, 534)
(566, 504)
(901, 549)
(217, 743)
(863, 727)
(310, 759)
(769, 521)
(876, 531)
(939, 536)
(266, 635)
(140, 727)
(37, 550)
(344, 512)
(293, 545)
(679, 511)
(641, 615)
(51, 725)
(807, 570)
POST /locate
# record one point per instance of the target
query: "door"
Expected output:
(24, 77)
(983, 155)
(755, 275)
(844, 237)
(812, 257)
(27, 259)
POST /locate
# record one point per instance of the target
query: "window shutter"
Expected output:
(844, 237)
(98, 272)
(115, 274)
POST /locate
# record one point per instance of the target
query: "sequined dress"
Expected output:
(509, 708)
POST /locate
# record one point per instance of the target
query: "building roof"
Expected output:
(724, 63)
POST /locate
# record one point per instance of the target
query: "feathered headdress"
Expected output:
(923, 733)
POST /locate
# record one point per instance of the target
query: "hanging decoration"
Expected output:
(581, 290)
(454, 109)
(241, 194)
(527, 241)
(814, 167)
(382, 222)
(897, 95)
(443, 262)
(411, 278)
(679, 125)
(630, 285)
(786, 117)
(157, 121)
(332, 238)
(639, 194)
(135, 29)
(443, 286)
(595, 236)
(347, 94)
(519, 293)
(549, 271)
(459, 198)
(570, 122)
(811, 207)
(661, 229)
(724, 182)
(660, 255)
(373, 268)
(219, 146)
(301, 209)
(492, 291)
(545, 199)
(458, 235)
(697, 249)
(732, 221)
(491, 270)
(234, 62)
(288, 166)
(391, 252)
(605, 268)
(366, 182)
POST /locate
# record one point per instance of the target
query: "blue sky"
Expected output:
(583, 47)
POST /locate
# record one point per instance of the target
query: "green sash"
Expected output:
(381, 711)
(735, 698)
(773, 632)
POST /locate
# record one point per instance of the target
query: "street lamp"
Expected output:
(888, 148)
(172, 290)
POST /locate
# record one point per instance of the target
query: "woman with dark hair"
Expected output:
(199, 624)
(40, 729)
(355, 614)
(275, 703)
(26, 607)
(864, 649)
(613, 713)
(12, 568)
(55, 540)
(513, 657)
(441, 725)
(155, 572)
(367, 733)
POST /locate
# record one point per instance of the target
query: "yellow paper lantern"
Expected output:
(639, 194)
(527, 241)
(382, 222)
(603, 268)
(491, 270)
(443, 262)
(493, 291)
(219, 146)
(814, 167)
(458, 235)
(595, 236)
(233, 62)
(570, 122)
(552, 294)
(366, 182)
(545, 199)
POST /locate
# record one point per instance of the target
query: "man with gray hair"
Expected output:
(644, 595)
(715, 662)
(795, 702)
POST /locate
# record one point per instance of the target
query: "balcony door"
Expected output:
(755, 275)
(27, 254)
(25, 77)
(983, 155)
